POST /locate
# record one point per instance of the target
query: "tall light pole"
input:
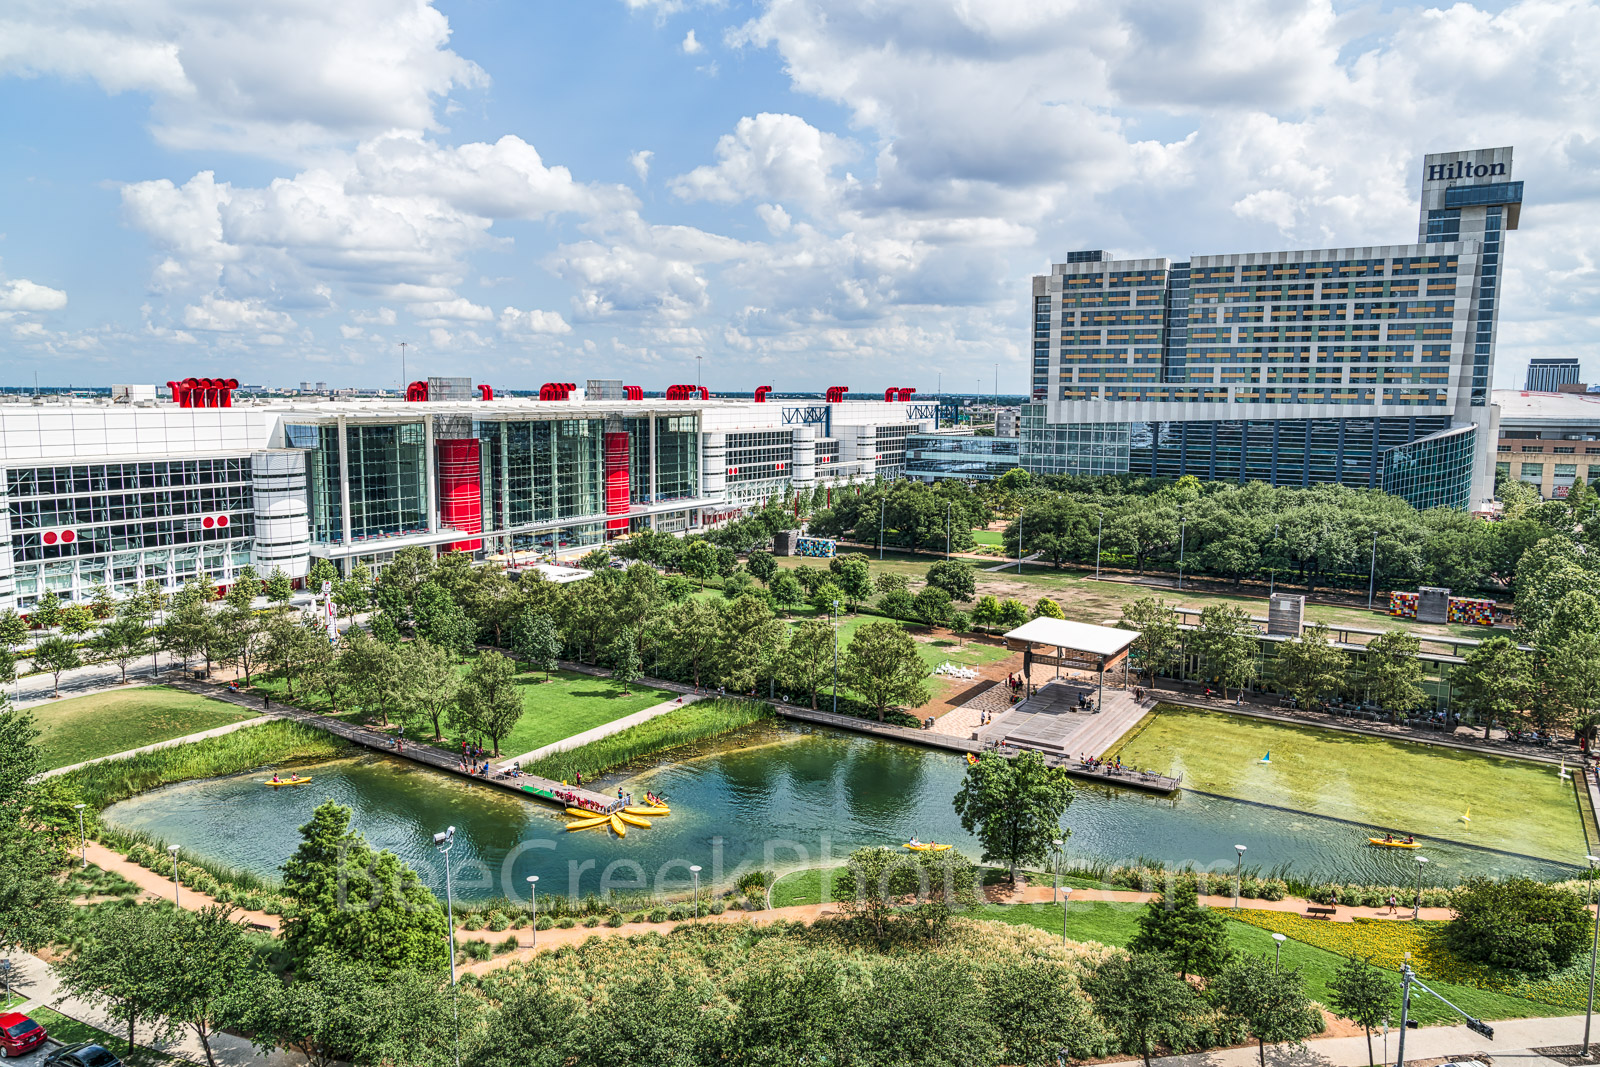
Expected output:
(947, 506)
(173, 851)
(695, 871)
(1055, 880)
(1594, 950)
(1238, 872)
(83, 839)
(1272, 585)
(1277, 956)
(1372, 571)
(1066, 895)
(1416, 901)
(533, 906)
(836, 655)
(1019, 541)
(1099, 531)
(442, 842)
(882, 501)
(403, 382)
(1183, 530)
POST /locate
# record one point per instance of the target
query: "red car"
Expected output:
(19, 1034)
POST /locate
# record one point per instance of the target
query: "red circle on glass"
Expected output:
(67, 537)
(222, 520)
(207, 522)
(50, 537)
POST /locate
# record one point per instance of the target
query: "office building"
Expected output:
(1548, 375)
(1549, 440)
(121, 492)
(1364, 366)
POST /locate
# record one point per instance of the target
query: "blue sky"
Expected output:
(800, 192)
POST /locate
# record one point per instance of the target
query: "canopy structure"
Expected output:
(1077, 644)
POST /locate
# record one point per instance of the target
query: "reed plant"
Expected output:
(675, 729)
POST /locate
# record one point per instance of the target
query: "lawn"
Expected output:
(1115, 924)
(988, 537)
(1515, 805)
(84, 728)
(68, 1031)
(568, 704)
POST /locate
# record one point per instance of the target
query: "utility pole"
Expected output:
(1098, 531)
(882, 501)
(403, 381)
(1372, 572)
(698, 357)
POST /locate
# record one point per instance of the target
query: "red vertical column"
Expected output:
(617, 493)
(460, 491)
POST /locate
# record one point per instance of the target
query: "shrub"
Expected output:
(543, 922)
(658, 915)
(510, 944)
(1517, 925)
(679, 912)
(476, 950)
(614, 919)
(498, 921)
(472, 921)
(591, 921)
(566, 922)
(718, 907)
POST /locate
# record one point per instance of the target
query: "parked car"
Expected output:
(19, 1034)
(82, 1054)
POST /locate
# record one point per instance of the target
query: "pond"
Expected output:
(779, 797)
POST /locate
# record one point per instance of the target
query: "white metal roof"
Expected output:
(1080, 636)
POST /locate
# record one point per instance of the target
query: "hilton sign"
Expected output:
(1441, 172)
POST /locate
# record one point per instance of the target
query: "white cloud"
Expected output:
(20, 294)
(380, 317)
(640, 162)
(691, 46)
(459, 309)
(278, 78)
(772, 156)
(220, 315)
(516, 322)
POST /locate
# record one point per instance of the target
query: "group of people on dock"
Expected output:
(1095, 763)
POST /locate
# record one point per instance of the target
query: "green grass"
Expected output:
(1116, 924)
(67, 1031)
(569, 704)
(674, 729)
(803, 887)
(1516, 805)
(988, 537)
(103, 784)
(84, 728)
(7, 1003)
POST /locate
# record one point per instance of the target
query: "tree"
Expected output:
(1363, 994)
(122, 640)
(882, 885)
(351, 595)
(625, 661)
(749, 643)
(986, 612)
(1047, 609)
(212, 973)
(1140, 999)
(430, 683)
(1394, 674)
(1156, 647)
(322, 570)
(890, 582)
(809, 657)
(322, 663)
(286, 641)
(1309, 667)
(826, 597)
(1272, 1003)
(189, 629)
(121, 966)
(1517, 925)
(853, 575)
(699, 560)
(1493, 683)
(932, 606)
(960, 623)
(957, 579)
(1226, 640)
(240, 631)
(361, 905)
(370, 669)
(33, 905)
(76, 620)
(441, 620)
(1013, 613)
(46, 611)
(13, 630)
(1193, 937)
(1143, 531)
(54, 655)
(1014, 806)
(1568, 677)
(490, 701)
(537, 641)
(786, 590)
(881, 663)
(762, 564)
(898, 604)
(101, 601)
(279, 588)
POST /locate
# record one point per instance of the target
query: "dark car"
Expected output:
(19, 1034)
(82, 1054)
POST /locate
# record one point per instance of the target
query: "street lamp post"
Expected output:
(947, 506)
(1416, 901)
(1098, 531)
(1594, 950)
(695, 870)
(836, 656)
(173, 850)
(1277, 956)
(1372, 571)
(1019, 541)
(1066, 895)
(442, 842)
(1055, 881)
(1238, 873)
(1272, 584)
(533, 906)
(83, 839)
(1183, 530)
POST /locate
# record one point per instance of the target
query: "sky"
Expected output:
(797, 193)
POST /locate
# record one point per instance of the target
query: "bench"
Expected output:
(1317, 911)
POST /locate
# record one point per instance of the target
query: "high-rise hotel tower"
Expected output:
(1369, 366)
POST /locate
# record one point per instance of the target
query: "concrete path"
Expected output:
(81, 681)
(997, 568)
(603, 730)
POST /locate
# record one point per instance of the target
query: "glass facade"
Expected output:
(388, 480)
(581, 461)
(519, 473)
(953, 456)
(891, 449)
(1433, 472)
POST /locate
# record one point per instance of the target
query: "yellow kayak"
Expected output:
(1392, 844)
(639, 810)
(927, 848)
(588, 824)
(632, 820)
(617, 827)
(582, 813)
(288, 781)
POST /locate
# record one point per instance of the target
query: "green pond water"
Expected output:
(772, 796)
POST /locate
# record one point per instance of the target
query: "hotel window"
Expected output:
(1562, 450)
(1533, 448)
